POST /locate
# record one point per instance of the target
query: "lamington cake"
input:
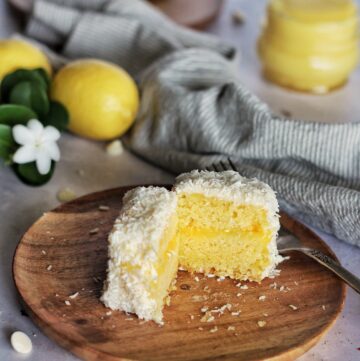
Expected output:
(143, 253)
(219, 223)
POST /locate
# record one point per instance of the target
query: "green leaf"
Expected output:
(58, 116)
(43, 73)
(11, 114)
(29, 174)
(7, 144)
(32, 95)
(18, 76)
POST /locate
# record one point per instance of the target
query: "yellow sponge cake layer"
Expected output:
(227, 225)
(143, 253)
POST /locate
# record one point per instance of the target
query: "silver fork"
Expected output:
(287, 242)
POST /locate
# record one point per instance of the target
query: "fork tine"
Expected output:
(232, 165)
(216, 167)
(224, 166)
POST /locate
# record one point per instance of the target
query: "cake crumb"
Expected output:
(262, 298)
(81, 172)
(200, 328)
(204, 309)
(94, 231)
(231, 328)
(296, 283)
(56, 295)
(221, 278)
(244, 287)
(208, 317)
(286, 113)
(282, 288)
(108, 313)
(192, 317)
(222, 309)
(103, 208)
(114, 148)
(293, 307)
(199, 298)
(67, 303)
(65, 195)
(265, 315)
(261, 323)
(185, 287)
(237, 313)
(323, 307)
(167, 300)
(74, 295)
(129, 319)
(49, 267)
(273, 285)
(210, 275)
(214, 329)
(238, 294)
(196, 279)
(238, 18)
(43, 252)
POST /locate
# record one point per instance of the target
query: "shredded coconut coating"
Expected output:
(231, 186)
(135, 241)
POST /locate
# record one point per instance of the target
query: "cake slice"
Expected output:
(143, 253)
(218, 223)
(227, 225)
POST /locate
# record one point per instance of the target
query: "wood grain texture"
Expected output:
(63, 240)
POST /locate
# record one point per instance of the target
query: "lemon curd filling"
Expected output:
(166, 267)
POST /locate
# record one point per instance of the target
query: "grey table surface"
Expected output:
(21, 205)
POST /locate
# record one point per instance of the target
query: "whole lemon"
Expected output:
(15, 54)
(102, 98)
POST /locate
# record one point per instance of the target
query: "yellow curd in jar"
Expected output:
(309, 45)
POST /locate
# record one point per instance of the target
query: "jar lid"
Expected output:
(315, 11)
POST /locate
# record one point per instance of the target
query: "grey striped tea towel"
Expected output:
(195, 112)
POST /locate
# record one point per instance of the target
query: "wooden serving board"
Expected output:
(59, 256)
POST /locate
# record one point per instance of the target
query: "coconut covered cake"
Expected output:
(210, 222)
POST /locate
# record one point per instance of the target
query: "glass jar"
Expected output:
(309, 45)
(195, 14)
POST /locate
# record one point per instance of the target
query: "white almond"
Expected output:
(21, 342)
(65, 195)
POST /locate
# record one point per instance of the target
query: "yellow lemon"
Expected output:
(15, 54)
(102, 98)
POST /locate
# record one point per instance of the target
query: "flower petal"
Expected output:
(52, 150)
(22, 135)
(51, 133)
(43, 163)
(35, 126)
(25, 154)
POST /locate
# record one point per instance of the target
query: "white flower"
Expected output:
(38, 144)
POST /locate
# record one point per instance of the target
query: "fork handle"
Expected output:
(328, 262)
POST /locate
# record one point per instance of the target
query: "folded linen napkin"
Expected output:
(194, 111)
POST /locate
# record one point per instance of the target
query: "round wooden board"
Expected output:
(59, 256)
